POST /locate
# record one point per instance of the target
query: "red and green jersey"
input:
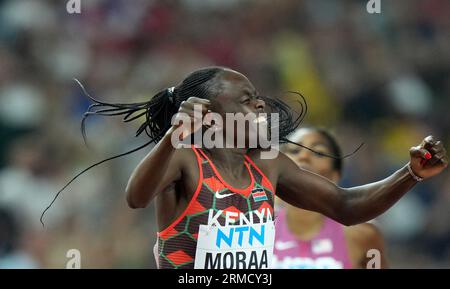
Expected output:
(215, 204)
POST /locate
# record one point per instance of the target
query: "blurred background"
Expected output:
(382, 79)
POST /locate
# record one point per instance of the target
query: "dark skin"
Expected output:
(170, 175)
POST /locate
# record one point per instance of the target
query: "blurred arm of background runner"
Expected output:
(361, 239)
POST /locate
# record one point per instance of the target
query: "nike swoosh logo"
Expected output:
(281, 246)
(219, 196)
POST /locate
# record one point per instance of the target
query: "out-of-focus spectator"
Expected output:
(12, 256)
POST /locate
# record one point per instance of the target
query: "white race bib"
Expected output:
(235, 246)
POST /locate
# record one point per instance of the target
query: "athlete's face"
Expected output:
(238, 95)
(311, 161)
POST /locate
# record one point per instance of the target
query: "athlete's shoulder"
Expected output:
(186, 153)
(185, 158)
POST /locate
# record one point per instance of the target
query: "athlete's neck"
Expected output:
(305, 225)
(230, 160)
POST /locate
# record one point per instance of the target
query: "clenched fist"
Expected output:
(189, 118)
(429, 158)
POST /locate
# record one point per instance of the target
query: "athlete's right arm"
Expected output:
(158, 168)
(163, 164)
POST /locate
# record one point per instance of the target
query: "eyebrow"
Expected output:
(319, 144)
(250, 91)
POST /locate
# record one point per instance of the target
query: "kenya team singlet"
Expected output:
(222, 227)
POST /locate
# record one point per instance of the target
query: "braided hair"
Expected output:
(160, 109)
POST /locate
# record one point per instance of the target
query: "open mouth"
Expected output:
(260, 119)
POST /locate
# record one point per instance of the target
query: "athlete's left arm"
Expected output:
(356, 205)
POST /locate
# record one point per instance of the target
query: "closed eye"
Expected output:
(293, 151)
(246, 98)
